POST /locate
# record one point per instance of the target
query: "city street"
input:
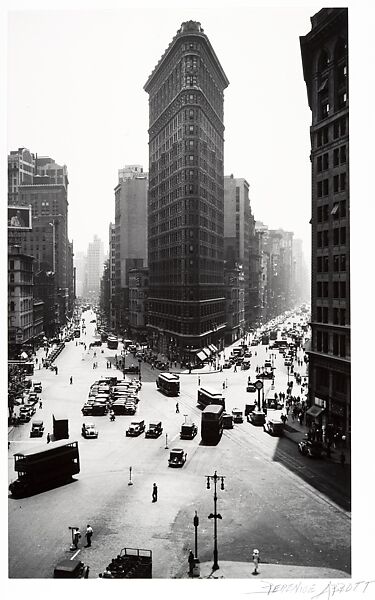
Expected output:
(274, 498)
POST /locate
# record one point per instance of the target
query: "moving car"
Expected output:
(237, 415)
(135, 428)
(257, 417)
(154, 430)
(227, 421)
(250, 386)
(188, 431)
(273, 426)
(312, 449)
(89, 431)
(37, 429)
(177, 458)
(265, 375)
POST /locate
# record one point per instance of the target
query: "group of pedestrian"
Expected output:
(76, 535)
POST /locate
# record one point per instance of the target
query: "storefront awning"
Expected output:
(315, 411)
(201, 355)
(207, 351)
(213, 348)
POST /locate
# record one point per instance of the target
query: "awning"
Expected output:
(201, 355)
(207, 351)
(315, 411)
(213, 348)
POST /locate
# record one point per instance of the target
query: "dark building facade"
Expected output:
(186, 194)
(325, 66)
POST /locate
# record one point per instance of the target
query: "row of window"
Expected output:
(338, 315)
(339, 158)
(334, 343)
(339, 185)
(339, 237)
(331, 132)
(338, 211)
(339, 289)
(338, 262)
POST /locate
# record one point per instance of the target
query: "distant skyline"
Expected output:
(84, 103)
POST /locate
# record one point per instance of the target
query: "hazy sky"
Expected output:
(75, 93)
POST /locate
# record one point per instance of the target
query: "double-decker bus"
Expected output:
(208, 395)
(43, 467)
(112, 342)
(212, 423)
(168, 383)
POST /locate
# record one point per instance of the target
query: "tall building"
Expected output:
(238, 231)
(80, 260)
(21, 169)
(325, 67)
(95, 264)
(186, 195)
(112, 275)
(47, 242)
(130, 235)
(20, 301)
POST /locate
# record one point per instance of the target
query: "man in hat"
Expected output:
(256, 561)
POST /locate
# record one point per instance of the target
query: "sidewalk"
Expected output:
(296, 432)
(244, 570)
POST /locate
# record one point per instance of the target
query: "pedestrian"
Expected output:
(235, 368)
(256, 561)
(48, 438)
(76, 537)
(199, 380)
(185, 456)
(154, 493)
(71, 380)
(300, 418)
(40, 404)
(191, 562)
(36, 360)
(56, 370)
(177, 408)
(88, 535)
(223, 385)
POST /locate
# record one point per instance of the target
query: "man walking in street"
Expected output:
(48, 438)
(71, 380)
(177, 408)
(88, 535)
(154, 493)
(191, 562)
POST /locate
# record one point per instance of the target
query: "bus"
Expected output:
(168, 383)
(42, 467)
(208, 395)
(112, 342)
(212, 423)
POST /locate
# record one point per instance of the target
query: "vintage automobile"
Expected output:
(311, 448)
(86, 409)
(71, 569)
(267, 364)
(256, 417)
(130, 408)
(135, 428)
(37, 429)
(32, 398)
(265, 375)
(227, 421)
(154, 430)
(177, 458)
(237, 415)
(37, 387)
(188, 431)
(250, 386)
(89, 431)
(246, 364)
(227, 364)
(273, 426)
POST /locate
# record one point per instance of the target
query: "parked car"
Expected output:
(265, 375)
(37, 429)
(227, 364)
(71, 569)
(177, 458)
(250, 386)
(130, 408)
(38, 387)
(154, 430)
(188, 431)
(311, 448)
(89, 431)
(135, 428)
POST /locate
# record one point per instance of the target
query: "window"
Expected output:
(336, 184)
(335, 210)
(336, 236)
(336, 263)
(342, 289)
(343, 262)
(336, 157)
(320, 189)
(325, 264)
(343, 154)
(343, 236)
(343, 208)
(342, 181)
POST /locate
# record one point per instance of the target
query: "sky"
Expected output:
(75, 93)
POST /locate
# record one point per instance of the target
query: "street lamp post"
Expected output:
(196, 523)
(215, 515)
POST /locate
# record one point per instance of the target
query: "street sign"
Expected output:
(258, 384)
